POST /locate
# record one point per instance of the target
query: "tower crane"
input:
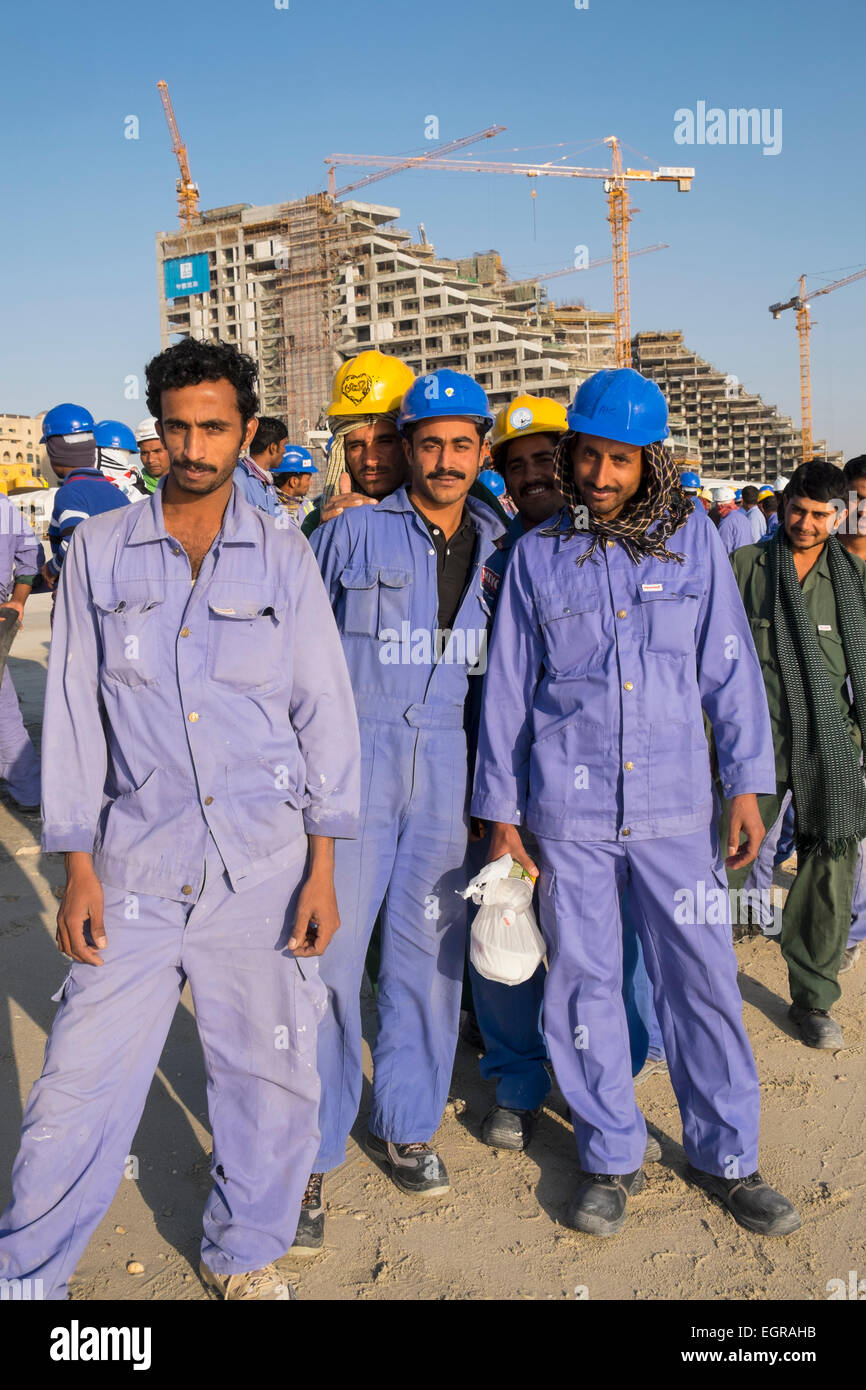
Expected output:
(804, 328)
(187, 191)
(616, 186)
(408, 162)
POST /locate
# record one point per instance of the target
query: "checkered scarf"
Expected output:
(657, 510)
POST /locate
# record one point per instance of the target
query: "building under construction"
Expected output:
(715, 421)
(302, 286)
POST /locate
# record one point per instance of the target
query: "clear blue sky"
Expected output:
(263, 94)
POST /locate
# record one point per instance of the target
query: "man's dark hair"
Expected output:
(191, 362)
(750, 496)
(268, 431)
(769, 505)
(855, 468)
(818, 480)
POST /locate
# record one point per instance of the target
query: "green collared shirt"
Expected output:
(750, 567)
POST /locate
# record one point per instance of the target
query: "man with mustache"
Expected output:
(609, 646)
(805, 597)
(195, 785)
(405, 581)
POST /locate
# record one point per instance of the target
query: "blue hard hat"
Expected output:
(444, 394)
(738, 494)
(296, 459)
(493, 481)
(66, 419)
(618, 403)
(690, 480)
(114, 434)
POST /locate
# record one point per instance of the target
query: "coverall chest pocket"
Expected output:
(571, 628)
(374, 599)
(760, 629)
(130, 635)
(245, 642)
(670, 615)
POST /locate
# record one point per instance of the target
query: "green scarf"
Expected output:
(826, 778)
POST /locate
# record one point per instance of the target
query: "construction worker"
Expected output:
(405, 580)
(757, 520)
(152, 454)
(115, 450)
(21, 561)
(292, 478)
(805, 598)
(199, 842)
(734, 527)
(366, 461)
(690, 483)
(706, 497)
(67, 433)
(253, 473)
(769, 508)
(612, 638)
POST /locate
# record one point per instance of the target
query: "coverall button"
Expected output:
(175, 550)
(611, 544)
(208, 801)
(628, 685)
(626, 831)
(187, 888)
(621, 613)
(184, 632)
(431, 552)
(628, 766)
(192, 717)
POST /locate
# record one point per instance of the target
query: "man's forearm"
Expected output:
(321, 854)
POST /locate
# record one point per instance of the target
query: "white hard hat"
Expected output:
(780, 484)
(146, 429)
(723, 494)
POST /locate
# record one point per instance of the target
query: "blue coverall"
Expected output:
(592, 731)
(380, 570)
(259, 494)
(735, 530)
(190, 744)
(20, 554)
(81, 495)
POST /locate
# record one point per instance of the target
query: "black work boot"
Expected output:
(598, 1206)
(310, 1235)
(751, 1202)
(415, 1168)
(502, 1128)
(816, 1027)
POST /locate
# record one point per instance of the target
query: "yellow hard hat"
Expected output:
(764, 493)
(527, 415)
(370, 384)
(707, 494)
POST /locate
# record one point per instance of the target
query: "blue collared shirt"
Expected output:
(258, 493)
(174, 712)
(597, 681)
(735, 530)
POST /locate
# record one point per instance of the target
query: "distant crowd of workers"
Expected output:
(266, 719)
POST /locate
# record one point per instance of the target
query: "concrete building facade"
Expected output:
(715, 421)
(302, 286)
(22, 457)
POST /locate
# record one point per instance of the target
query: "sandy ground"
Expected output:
(498, 1234)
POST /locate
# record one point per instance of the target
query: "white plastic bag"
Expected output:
(505, 944)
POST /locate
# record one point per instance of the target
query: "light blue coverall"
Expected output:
(592, 732)
(379, 568)
(735, 530)
(189, 743)
(20, 554)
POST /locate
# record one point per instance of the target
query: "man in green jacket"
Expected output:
(805, 597)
